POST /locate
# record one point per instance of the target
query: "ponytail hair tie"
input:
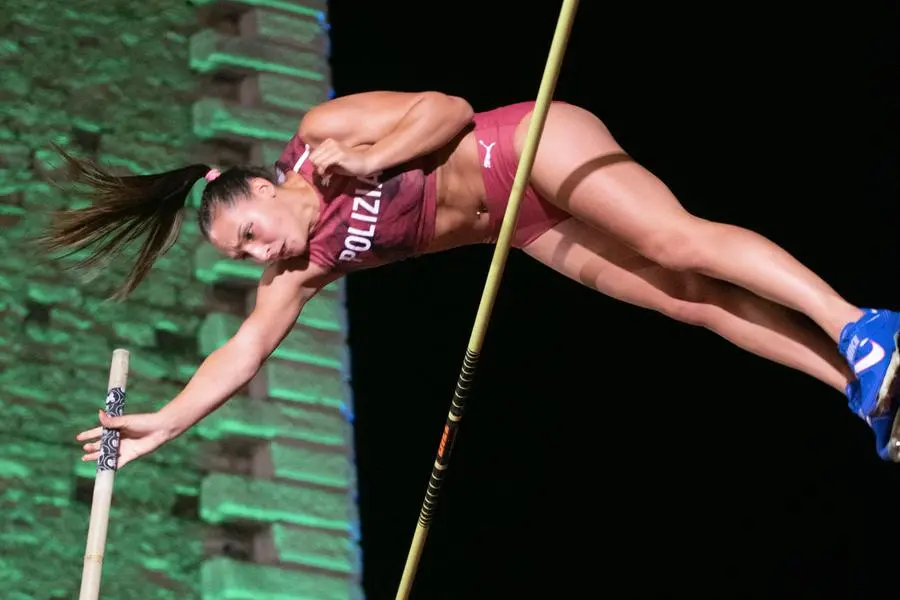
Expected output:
(212, 174)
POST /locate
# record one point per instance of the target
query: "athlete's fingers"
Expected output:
(327, 147)
(90, 457)
(325, 163)
(92, 447)
(323, 153)
(316, 155)
(110, 422)
(90, 434)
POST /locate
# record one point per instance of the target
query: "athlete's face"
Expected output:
(268, 226)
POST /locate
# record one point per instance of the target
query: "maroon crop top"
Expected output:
(364, 223)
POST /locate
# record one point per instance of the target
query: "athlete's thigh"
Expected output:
(581, 168)
(600, 261)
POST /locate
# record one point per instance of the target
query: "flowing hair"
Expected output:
(122, 209)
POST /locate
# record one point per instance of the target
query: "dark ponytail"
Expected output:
(122, 210)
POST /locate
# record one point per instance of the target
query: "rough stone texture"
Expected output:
(129, 84)
(243, 418)
(314, 548)
(230, 498)
(310, 464)
(287, 29)
(65, 81)
(311, 9)
(232, 580)
(280, 93)
(212, 51)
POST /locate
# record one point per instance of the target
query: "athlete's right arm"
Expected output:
(281, 295)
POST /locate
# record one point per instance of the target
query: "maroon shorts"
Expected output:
(495, 135)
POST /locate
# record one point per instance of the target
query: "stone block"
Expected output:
(306, 384)
(217, 119)
(305, 463)
(291, 30)
(233, 580)
(289, 96)
(303, 344)
(264, 420)
(233, 499)
(212, 51)
(312, 8)
(309, 547)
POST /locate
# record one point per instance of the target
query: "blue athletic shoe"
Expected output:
(870, 347)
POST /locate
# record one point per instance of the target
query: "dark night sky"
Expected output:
(603, 444)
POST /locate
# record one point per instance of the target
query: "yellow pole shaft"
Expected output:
(489, 295)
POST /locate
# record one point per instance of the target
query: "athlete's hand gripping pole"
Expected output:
(498, 264)
(103, 484)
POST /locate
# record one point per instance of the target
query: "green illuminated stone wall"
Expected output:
(258, 501)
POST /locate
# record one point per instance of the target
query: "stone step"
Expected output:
(309, 547)
(265, 420)
(307, 384)
(317, 9)
(290, 96)
(216, 119)
(302, 31)
(302, 345)
(226, 498)
(226, 579)
(322, 314)
(304, 463)
(213, 52)
(325, 311)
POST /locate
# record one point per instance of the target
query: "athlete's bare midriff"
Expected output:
(461, 218)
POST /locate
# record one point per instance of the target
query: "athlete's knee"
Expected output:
(692, 299)
(683, 246)
(672, 249)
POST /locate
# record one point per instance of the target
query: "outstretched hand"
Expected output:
(139, 434)
(334, 157)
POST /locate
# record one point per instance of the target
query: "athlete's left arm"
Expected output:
(396, 126)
